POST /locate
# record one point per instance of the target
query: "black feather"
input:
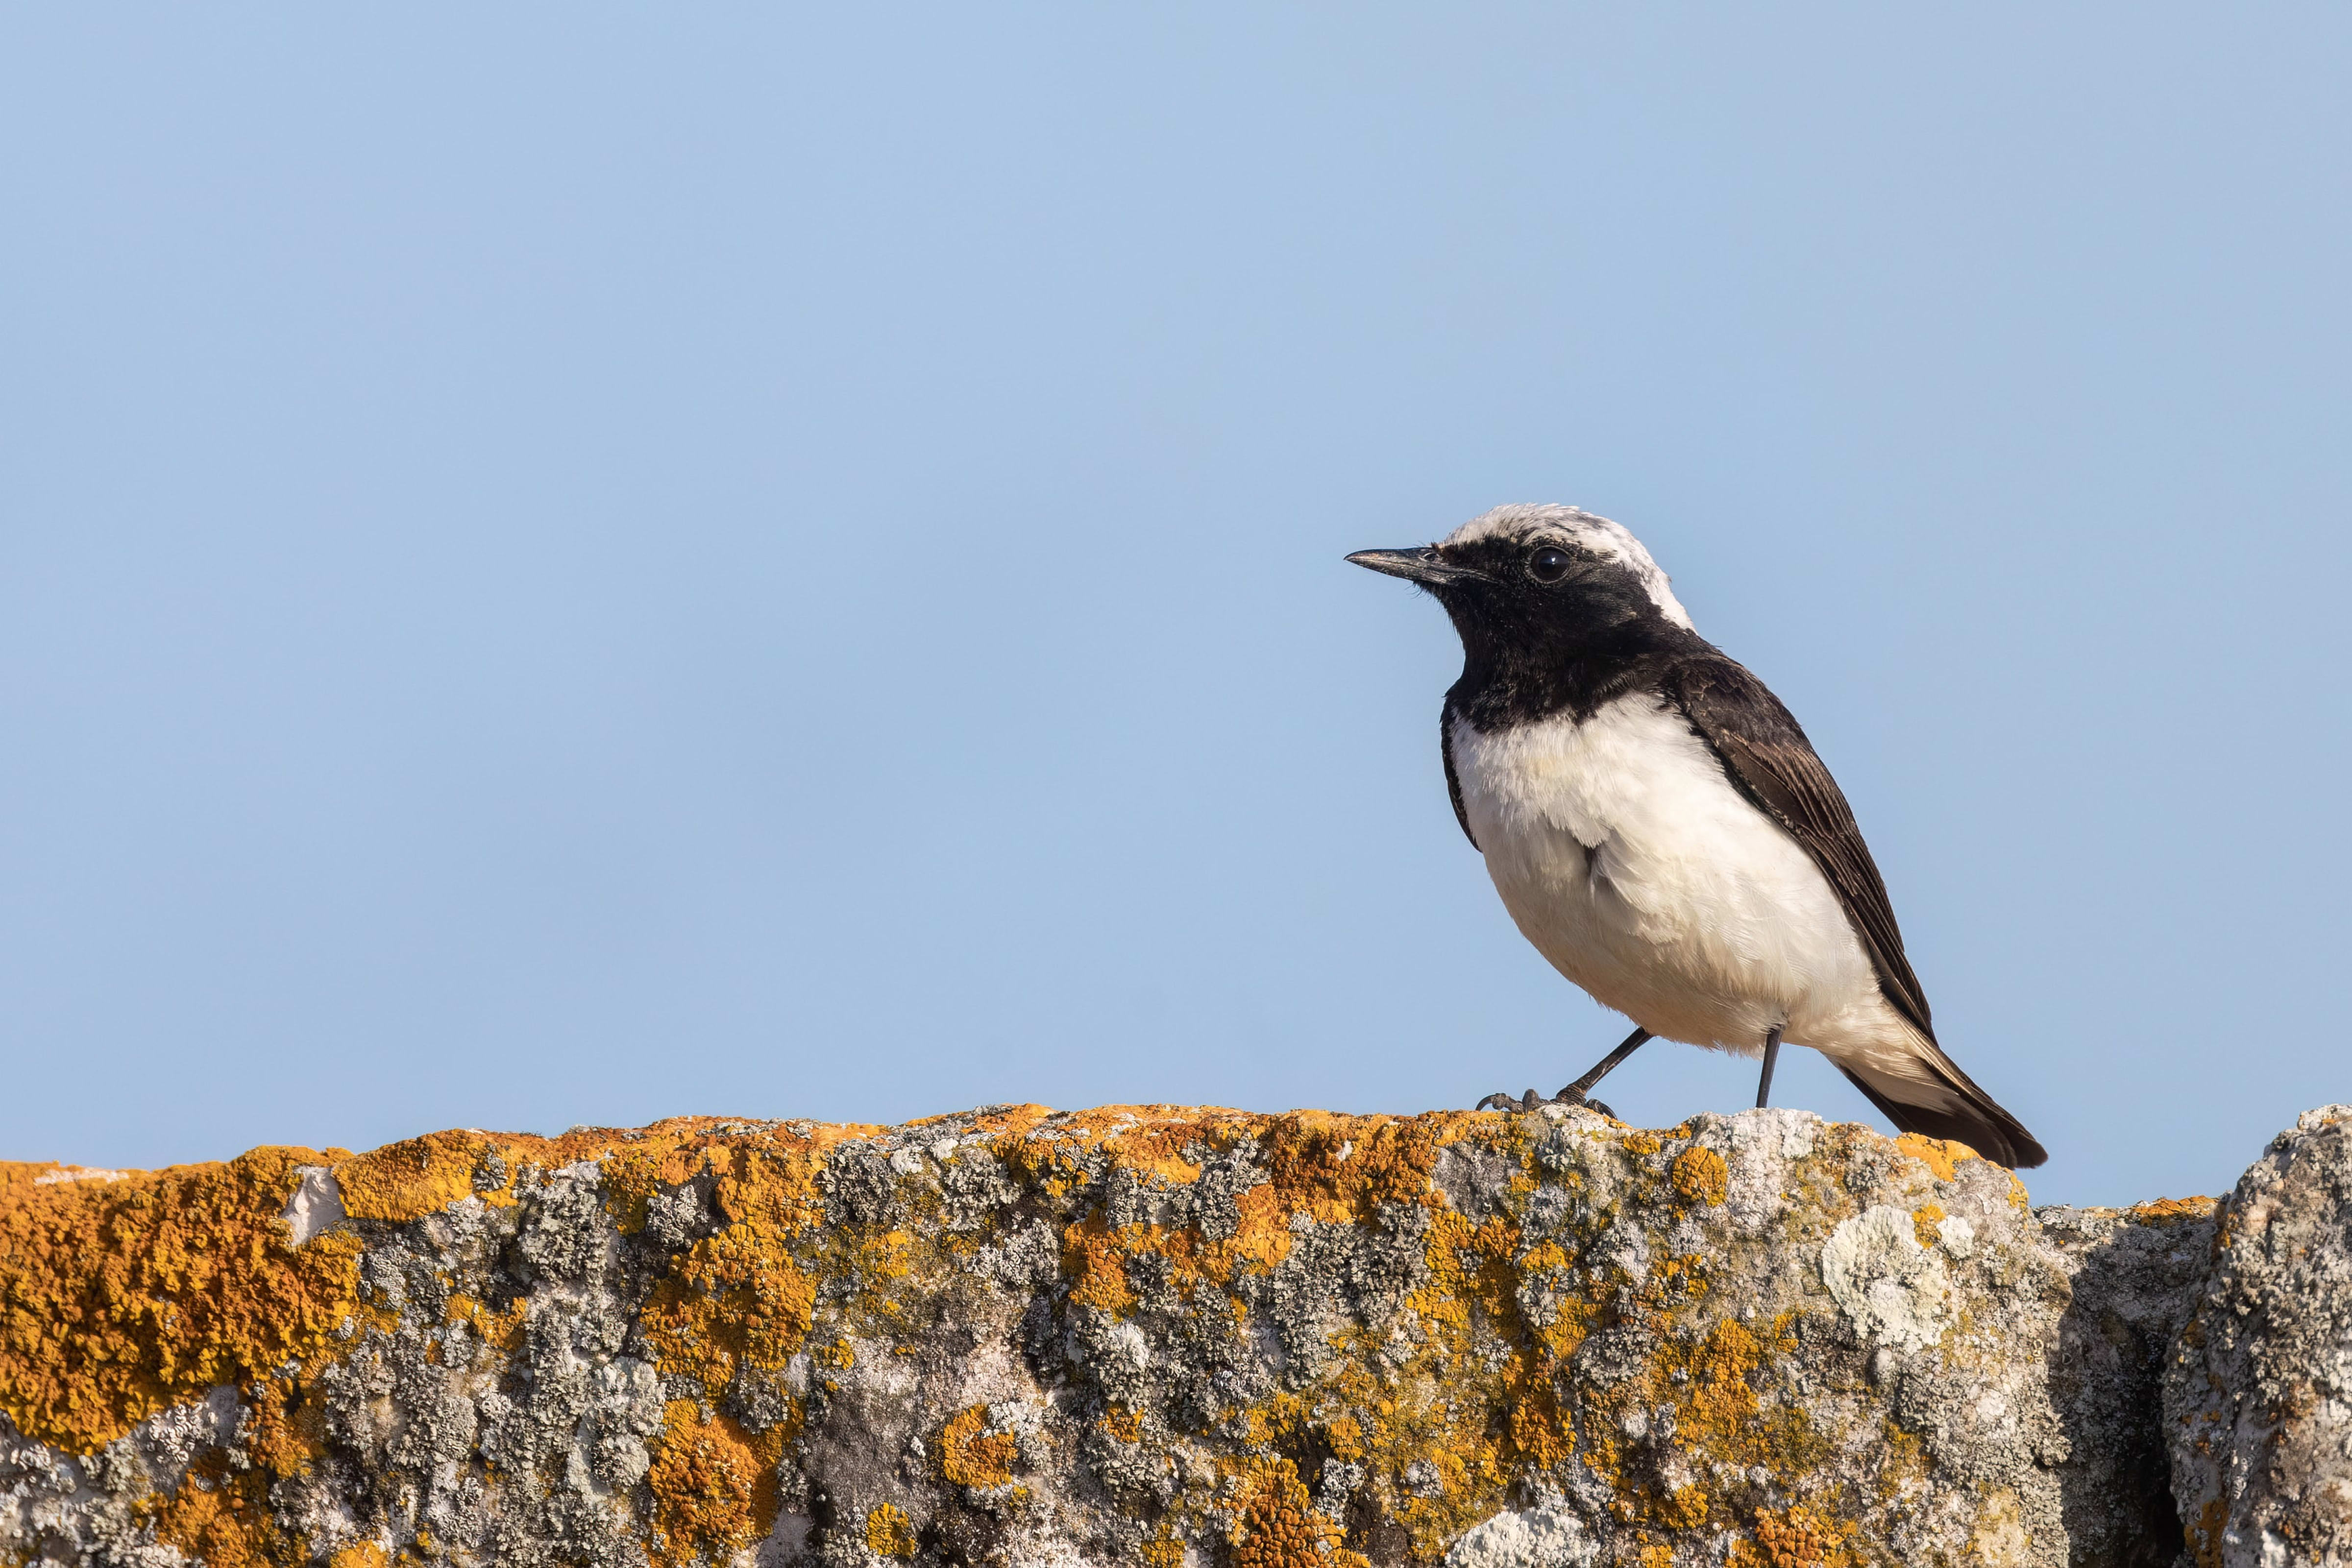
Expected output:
(1452, 779)
(1765, 754)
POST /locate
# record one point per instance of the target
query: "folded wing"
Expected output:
(1770, 761)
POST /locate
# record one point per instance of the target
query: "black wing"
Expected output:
(1772, 763)
(1452, 779)
(1768, 760)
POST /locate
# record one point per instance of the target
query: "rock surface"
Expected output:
(1146, 1335)
(2133, 1276)
(2259, 1398)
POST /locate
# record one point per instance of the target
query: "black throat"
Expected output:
(1515, 672)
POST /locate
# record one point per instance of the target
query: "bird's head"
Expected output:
(1541, 581)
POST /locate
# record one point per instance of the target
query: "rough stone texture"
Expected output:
(1144, 1336)
(2259, 1398)
(2134, 1276)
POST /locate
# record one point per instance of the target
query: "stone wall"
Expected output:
(1166, 1336)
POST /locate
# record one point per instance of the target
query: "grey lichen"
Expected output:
(2257, 1396)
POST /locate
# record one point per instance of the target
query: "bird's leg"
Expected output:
(1574, 1094)
(1771, 1055)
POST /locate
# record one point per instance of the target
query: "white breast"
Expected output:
(1627, 857)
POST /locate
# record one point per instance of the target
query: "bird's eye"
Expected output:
(1547, 563)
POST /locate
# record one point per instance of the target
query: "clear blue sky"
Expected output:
(576, 564)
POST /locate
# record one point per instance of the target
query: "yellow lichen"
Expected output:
(1471, 1439)
(713, 1487)
(971, 1455)
(736, 1298)
(1700, 1175)
(1927, 1224)
(366, 1555)
(1793, 1538)
(890, 1532)
(2170, 1210)
(221, 1519)
(118, 1298)
(500, 1330)
(1280, 1529)
(1092, 1257)
(1941, 1155)
(411, 1179)
(1333, 1169)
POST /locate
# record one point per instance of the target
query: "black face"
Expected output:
(1545, 621)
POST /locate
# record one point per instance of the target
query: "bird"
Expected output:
(1662, 831)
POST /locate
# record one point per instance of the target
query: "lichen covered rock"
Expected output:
(2258, 1400)
(1145, 1335)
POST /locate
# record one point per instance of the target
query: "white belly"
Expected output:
(1629, 861)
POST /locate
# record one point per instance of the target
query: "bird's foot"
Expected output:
(1571, 1096)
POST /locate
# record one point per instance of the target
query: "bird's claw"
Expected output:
(1574, 1096)
(1571, 1096)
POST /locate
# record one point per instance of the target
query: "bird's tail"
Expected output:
(1939, 1101)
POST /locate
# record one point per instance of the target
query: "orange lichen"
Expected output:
(1092, 1257)
(500, 1330)
(1473, 1440)
(1700, 1175)
(1708, 1381)
(1927, 1224)
(2170, 1210)
(890, 1532)
(1792, 1538)
(1333, 1169)
(735, 1299)
(972, 1456)
(366, 1555)
(118, 1298)
(738, 1298)
(765, 1178)
(1342, 1168)
(1717, 1410)
(1941, 1155)
(221, 1519)
(408, 1180)
(714, 1488)
(1280, 1529)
